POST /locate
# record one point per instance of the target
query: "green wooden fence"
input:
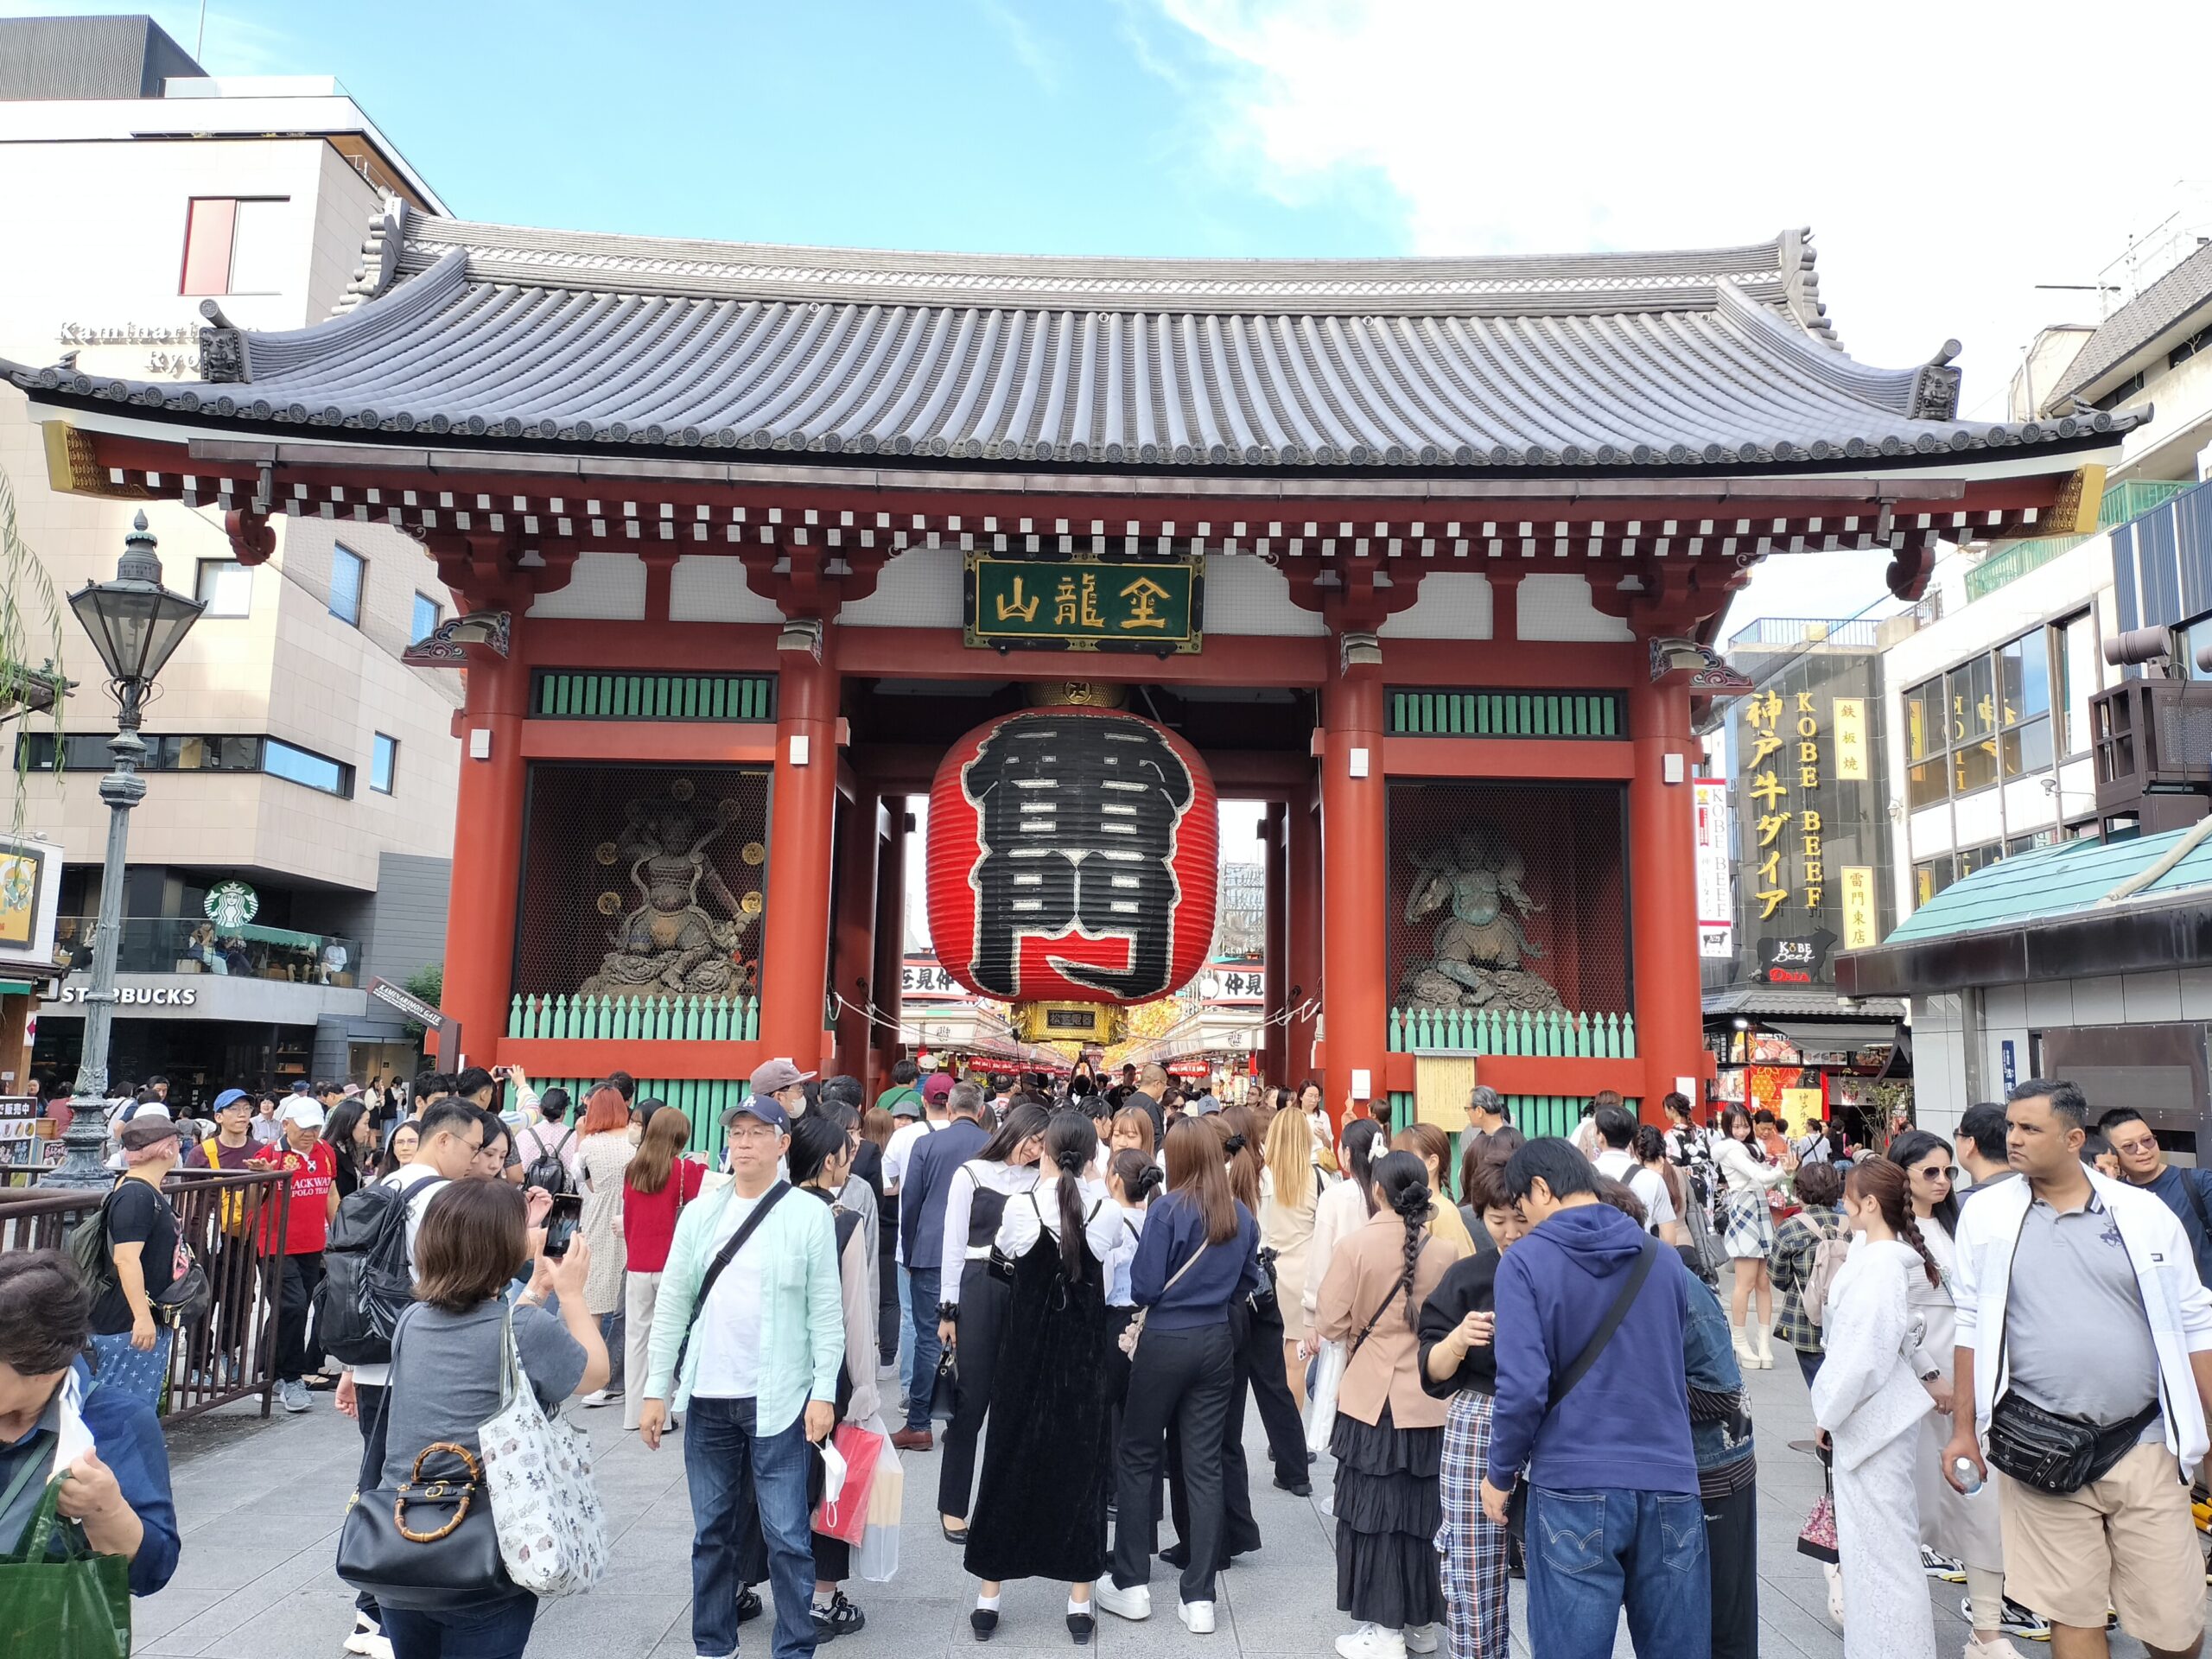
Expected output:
(1533, 1115)
(702, 1099)
(1551, 1033)
(636, 1019)
(1507, 714)
(571, 694)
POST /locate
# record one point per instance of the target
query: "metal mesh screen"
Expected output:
(642, 881)
(1509, 896)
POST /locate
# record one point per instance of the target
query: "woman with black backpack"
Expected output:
(143, 1258)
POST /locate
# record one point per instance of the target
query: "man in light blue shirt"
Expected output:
(747, 1345)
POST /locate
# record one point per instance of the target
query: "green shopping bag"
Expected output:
(74, 1606)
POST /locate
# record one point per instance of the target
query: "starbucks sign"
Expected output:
(231, 904)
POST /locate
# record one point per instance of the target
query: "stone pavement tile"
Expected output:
(307, 1623)
(153, 1617)
(608, 1623)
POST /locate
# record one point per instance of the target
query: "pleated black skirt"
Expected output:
(1388, 1511)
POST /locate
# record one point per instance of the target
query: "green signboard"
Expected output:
(1083, 604)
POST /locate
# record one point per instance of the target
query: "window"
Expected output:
(2077, 652)
(346, 569)
(233, 246)
(226, 588)
(428, 615)
(384, 762)
(2120, 393)
(281, 760)
(1990, 718)
(1931, 875)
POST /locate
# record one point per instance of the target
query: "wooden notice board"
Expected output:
(1442, 1085)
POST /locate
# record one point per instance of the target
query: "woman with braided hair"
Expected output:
(1390, 1431)
(1869, 1402)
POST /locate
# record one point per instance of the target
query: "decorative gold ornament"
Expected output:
(683, 789)
(750, 903)
(754, 852)
(1074, 694)
(607, 852)
(1068, 1022)
(610, 904)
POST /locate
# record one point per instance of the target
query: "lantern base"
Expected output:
(1069, 1022)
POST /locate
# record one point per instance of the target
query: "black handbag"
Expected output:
(429, 1544)
(2058, 1454)
(945, 1390)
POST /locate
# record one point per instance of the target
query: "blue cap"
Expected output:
(226, 1097)
(766, 1108)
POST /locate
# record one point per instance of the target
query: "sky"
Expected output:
(1964, 166)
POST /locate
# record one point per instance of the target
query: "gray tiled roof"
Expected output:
(2182, 292)
(1645, 361)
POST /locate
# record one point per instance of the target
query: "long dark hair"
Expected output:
(1908, 1149)
(338, 1134)
(1403, 1180)
(1021, 1122)
(1360, 1136)
(1195, 1171)
(1138, 1173)
(1732, 1115)
(1070, 1142)
(1885, 1182)
(1241, 1152)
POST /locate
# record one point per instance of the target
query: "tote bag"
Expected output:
(1321, 1398)
(845, 1516)
(877, 1559)
(552, 1529)
(76, 1607)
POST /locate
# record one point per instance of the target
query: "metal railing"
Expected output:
(235, 1226)
(636, 1019)
(185, 945)
(1856, 631)
(2122, 503)
(1545, 1032)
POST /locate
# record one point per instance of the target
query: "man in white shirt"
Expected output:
(452, 1135)
(1618, 1162)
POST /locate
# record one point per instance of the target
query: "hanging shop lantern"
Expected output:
(1071, 859)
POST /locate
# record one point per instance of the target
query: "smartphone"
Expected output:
(562, 1221)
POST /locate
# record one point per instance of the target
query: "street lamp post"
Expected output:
(135, 623)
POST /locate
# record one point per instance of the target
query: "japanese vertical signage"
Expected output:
(1851, 740)
(1716, 888)
(1860, 928)
(1790, 840)
(1094, 604)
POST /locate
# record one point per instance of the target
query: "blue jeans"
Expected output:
(921, 1309)
(905, 1336)
(498, 1629)
(731, 1469)
(1590, 1554)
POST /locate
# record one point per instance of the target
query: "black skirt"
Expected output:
(1388, 1511)
(1040, 1505)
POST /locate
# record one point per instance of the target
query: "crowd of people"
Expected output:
(1519, 1359)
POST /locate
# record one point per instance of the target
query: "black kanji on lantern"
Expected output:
(1077, 820)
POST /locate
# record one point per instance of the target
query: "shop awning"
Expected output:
(1841, 1035)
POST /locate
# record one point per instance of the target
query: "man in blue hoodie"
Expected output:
(1615, 1520)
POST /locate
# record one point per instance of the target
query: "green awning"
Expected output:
(2052, 881)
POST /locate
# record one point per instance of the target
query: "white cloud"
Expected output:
(1948, 157)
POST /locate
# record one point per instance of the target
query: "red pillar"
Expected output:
(1662, 880)
(486, 857)
(1275, 1040)
(852, 974)
(890, 944)
(1302, 854)
(795, 942)
(1355, 898)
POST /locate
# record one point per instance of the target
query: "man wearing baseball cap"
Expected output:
(313, 1165)
(781, 1081)
(747, 1342)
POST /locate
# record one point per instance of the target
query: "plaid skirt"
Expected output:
(1473, 1551)
(1751, 1226)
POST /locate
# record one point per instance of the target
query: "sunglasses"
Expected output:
(1930, 1174)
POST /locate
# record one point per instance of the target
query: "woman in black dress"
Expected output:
(1040, 1509)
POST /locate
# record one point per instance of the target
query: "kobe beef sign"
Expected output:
(1082, 604)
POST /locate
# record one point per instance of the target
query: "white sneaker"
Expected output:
(364, 1631)
(1197, 1616)
(1834, 1575)
(600, 1397)
(1421, 1638)
(1133, 1602)
(2000, 1649)
(1372, 1641)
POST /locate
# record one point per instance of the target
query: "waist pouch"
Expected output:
(2058, 1454)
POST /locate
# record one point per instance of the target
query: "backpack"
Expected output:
(88, 1246)
(1827, 1262)
(367, 1282)
(546, 1170)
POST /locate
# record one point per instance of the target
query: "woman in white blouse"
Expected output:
(1750, 1237)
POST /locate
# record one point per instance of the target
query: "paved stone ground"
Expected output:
(261, 1505)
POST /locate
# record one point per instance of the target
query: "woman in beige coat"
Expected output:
(1288, 1197)
(1389, 1437)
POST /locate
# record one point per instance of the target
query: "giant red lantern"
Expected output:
(1071, 857)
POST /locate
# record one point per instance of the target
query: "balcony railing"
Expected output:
(1855, 632)
(1546, 1033)
(2122, 502)
(183, 944)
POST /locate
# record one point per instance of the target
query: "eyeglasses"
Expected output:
(754, 1132)
(1929, 1173)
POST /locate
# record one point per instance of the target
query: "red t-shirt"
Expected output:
(649, 1218)
(314, 1174)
